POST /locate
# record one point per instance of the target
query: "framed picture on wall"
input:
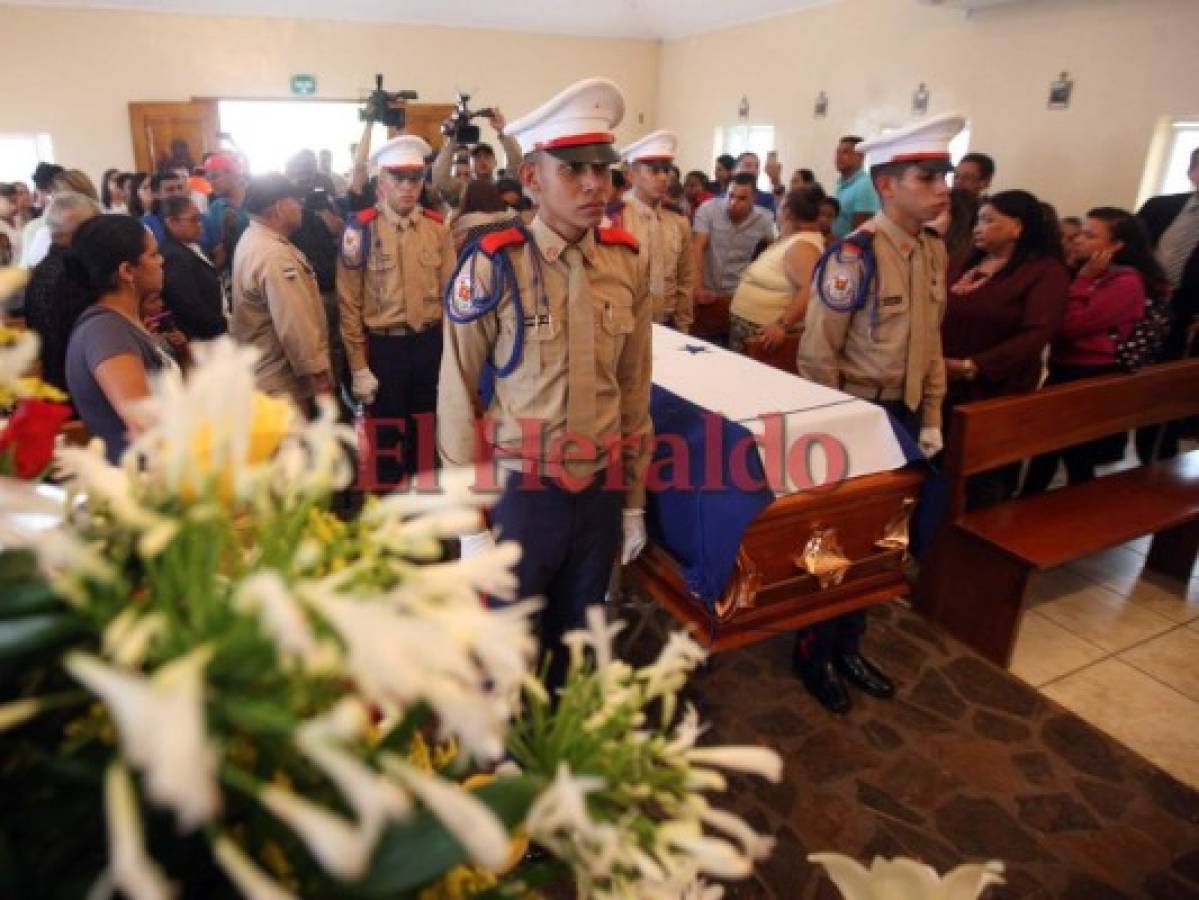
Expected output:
(1059, 92)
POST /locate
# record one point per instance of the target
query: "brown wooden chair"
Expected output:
(976, 577)
(784, 356)
(712, 319)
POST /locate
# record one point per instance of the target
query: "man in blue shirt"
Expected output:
(855, 193)
(163, 185)
(748, 162)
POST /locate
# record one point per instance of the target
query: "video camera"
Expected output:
(458, 125)
(381, 106)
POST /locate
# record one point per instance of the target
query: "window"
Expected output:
(20, 154)
(268, 132)
(738, 139)
(1183, 140)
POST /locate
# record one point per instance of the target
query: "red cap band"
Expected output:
(578, 140)
(920, 157)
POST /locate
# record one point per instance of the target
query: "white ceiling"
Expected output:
(650, 19)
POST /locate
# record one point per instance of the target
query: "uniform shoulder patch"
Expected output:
(366, 216)
(844, 273)
(493, 243)
(617, 237)
(434, 215)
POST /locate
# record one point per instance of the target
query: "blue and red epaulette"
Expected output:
(493, 243)
(366, 216)
(617, 237)
(434, 215)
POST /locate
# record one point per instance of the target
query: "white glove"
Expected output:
(930, 441)
(364, 385)
(633, 525)
(474, 544)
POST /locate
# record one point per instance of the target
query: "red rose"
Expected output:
(29, 438)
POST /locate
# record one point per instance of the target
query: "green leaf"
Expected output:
(260, 716)
(25, 598)
(401, 735)
(420, 850)
(19, 637)
(17, 565)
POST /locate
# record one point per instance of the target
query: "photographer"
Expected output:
(320, 226)
(482, 156)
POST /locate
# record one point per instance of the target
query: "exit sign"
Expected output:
(303, 84)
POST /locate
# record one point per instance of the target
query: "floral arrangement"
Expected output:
(36, 410)
(213, 685)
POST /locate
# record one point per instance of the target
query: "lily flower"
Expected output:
(341, 848)
(129, 868)
(251, 881)
(906, 879)
(752, 760)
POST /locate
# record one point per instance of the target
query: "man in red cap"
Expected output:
(226, 218)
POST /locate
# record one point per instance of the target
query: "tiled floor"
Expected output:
(1119, 648)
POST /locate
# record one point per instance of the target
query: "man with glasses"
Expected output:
(394, 263)
(664, 235)
(191, 285)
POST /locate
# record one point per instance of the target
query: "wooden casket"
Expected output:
(833, 542)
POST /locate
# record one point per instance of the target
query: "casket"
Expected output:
(813, 526)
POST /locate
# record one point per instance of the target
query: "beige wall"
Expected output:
(79, 93)
(1133, 61)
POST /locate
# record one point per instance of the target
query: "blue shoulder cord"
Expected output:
(502, 276)
(863, 241)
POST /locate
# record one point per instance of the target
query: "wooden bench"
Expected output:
(976, 577)
(784, 356)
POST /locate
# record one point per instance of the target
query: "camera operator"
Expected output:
(482, 156)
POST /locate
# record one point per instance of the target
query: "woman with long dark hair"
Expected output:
(138, 196)
(1004, 305)
(110, 354)
(1106, 300)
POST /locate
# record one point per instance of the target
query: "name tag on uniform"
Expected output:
(897, 300)
(538, 321)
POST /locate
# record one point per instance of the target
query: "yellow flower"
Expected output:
(520, 838)
(270, 420)
(31, 387)
(460, 883)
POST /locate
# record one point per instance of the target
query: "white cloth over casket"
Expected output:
(744, 390)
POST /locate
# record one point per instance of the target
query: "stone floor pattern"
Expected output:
(968, 763)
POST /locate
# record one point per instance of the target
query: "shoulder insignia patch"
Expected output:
(493, 243)
(844, 273)
(617, 237)
(434, 215)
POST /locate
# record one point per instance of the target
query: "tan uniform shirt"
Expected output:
(537, 389)
(409, 261)
(277, 308)
(899, 349)
(665, 238)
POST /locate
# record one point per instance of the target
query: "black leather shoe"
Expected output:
(864, 675)
(823, 683)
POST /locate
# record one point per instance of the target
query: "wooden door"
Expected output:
(424, 119)
(172, 133)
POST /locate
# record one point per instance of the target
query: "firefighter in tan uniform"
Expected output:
(276, 302)
(875, 333)
(557, 318)
(395, 261)
(664, 235)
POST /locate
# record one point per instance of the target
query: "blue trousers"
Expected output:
(569, 542)
(407, 368)
(816, 644)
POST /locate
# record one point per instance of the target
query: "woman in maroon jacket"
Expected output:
(1106, 301)
(1003, 307)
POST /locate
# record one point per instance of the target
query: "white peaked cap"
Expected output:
(576, 124)
(926, 141)
(659, 146)
(407, 151)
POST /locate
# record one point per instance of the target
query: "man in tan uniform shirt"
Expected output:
(874, 331)
(664, 235)
(559, 312)
(276, 302)
(394, 264)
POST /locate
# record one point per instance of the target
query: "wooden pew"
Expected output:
(976, 578)
(784, 356)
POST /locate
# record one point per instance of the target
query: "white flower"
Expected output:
(489, 572)
(127, 638)
(64, 560)
(161, 724)
(752, 760)
(251, 881)
(315, 460)
(472, 823)
(339, 846)
(668, 673)
(563, 805)
(711, 856)
(597, 635)
(129, 867)
(755, 846)
(282, 618)
(346, 720)
(88, 470)
(374, 799)
(906, 879)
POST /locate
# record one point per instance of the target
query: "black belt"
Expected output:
(396, 331)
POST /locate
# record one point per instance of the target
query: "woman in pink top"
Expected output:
(1105, 302)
